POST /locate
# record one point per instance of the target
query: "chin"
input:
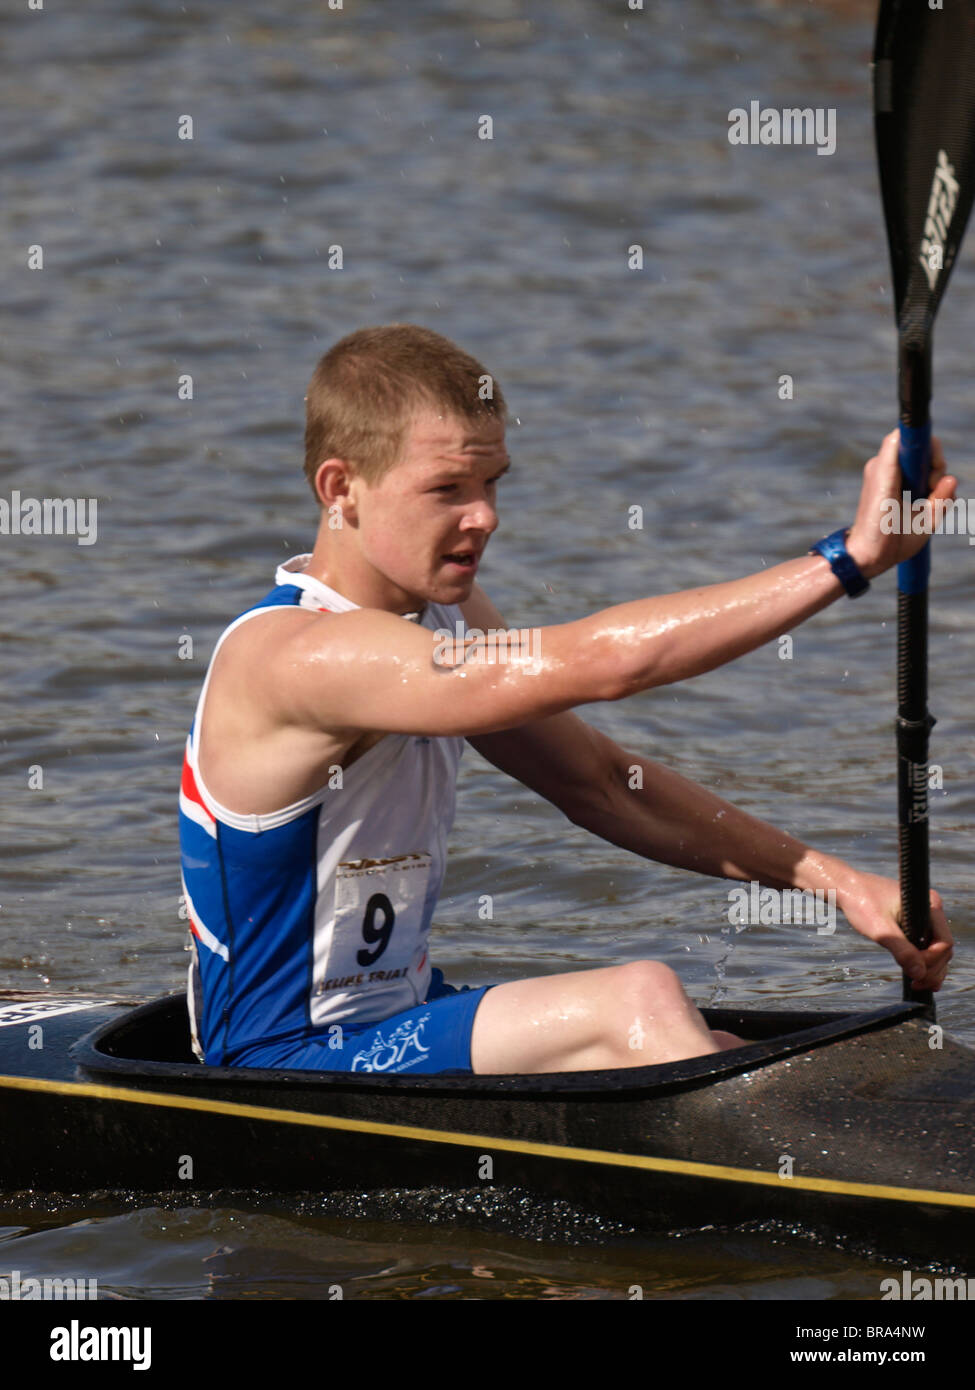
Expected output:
(464, 583)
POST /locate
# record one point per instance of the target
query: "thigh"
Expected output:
(553, 1023)
(623, 1015)
(431, 1037)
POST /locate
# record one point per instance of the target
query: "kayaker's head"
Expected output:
(404, 446)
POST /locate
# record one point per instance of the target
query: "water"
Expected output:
(164, 1254)
(656, 388)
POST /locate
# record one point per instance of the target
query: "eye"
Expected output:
(445, 487)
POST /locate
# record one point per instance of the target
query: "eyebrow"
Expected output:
(446, 471)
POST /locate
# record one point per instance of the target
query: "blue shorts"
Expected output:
(434, 1036)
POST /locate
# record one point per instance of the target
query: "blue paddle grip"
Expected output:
(915, 459)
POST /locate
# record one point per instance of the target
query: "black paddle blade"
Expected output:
(924, 109)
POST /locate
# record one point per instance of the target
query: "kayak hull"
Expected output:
(852, 1127)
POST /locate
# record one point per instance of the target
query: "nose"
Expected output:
(482, 515)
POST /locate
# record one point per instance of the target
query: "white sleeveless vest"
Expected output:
(317, 913)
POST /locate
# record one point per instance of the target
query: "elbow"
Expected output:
(590, 808)
(620, 683)
(611, 677)
(621, 667)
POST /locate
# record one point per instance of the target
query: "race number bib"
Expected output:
(375, 936)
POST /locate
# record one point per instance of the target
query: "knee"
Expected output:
(649, 986)
(654, 1019)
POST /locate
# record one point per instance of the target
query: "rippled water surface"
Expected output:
(656, 388)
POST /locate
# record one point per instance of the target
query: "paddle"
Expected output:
(924, 110)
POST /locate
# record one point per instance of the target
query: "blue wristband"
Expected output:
(841, 562)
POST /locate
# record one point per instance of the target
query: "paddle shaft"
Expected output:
(924, 122)
(914, 721)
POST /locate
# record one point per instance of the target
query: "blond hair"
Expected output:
(367, 389)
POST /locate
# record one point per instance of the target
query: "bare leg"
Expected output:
(622, 1016)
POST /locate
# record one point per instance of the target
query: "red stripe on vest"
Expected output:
(190, 790)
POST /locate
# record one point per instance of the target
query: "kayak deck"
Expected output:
(847, 1124)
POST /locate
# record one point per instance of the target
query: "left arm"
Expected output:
(644, 807)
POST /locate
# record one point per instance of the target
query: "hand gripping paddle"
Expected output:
(924, 111)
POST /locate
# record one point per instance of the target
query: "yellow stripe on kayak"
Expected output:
(681, 1167)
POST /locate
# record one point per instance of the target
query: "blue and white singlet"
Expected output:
(317, 914)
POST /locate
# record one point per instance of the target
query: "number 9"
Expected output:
(377, 903)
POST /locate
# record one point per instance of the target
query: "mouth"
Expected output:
(462, 559)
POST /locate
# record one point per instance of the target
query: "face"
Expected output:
(423, 527)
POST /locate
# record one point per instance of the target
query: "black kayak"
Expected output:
(854, 1127)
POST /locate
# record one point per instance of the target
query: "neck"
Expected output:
(345, 570)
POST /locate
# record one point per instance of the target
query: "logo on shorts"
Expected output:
(393, 1053)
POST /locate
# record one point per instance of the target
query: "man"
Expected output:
(318, 787)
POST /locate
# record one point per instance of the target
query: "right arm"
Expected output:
(369, 670)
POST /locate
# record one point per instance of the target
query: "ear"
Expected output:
(335, 483)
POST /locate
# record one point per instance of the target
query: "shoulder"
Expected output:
(291, 636)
